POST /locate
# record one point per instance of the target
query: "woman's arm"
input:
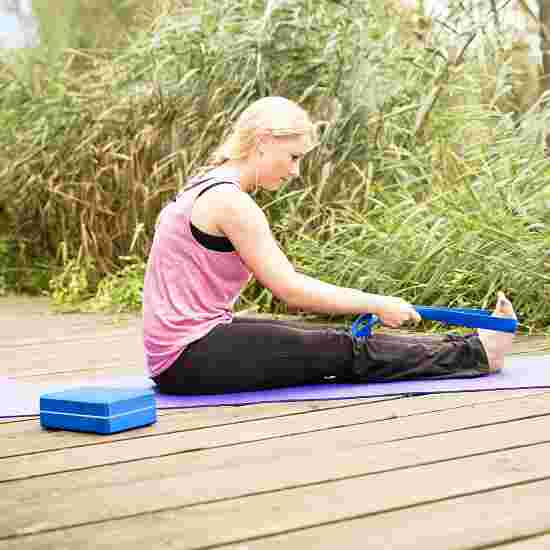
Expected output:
(243, 222)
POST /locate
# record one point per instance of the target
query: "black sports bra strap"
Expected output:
(212, 242)
(201, 181)
(219, 182)
(189, 187)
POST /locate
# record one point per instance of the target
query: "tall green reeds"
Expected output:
(445, 215)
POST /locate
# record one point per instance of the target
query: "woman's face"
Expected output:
(280, 160)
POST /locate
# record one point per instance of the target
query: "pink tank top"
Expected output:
(188, 289)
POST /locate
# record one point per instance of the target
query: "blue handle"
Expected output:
(466, 317)
(363, 325)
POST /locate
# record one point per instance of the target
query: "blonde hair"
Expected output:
(275, 115)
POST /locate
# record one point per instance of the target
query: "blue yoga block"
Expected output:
(98, 409)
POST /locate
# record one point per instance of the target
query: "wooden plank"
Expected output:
(103, 351)
(531, 543)
(215, 415)
(172, 435)
(13, 419)
(126, 489)
(472, 522)
(30, 437)
(211, 416)
(68, 343)
(82, 374)
(531, 344)
(68, 335)
(24, 331)
(372, 498)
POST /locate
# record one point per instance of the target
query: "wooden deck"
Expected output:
(468, 470)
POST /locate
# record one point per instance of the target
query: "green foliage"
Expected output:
(82, 24)
(75, 287)
(446, 215)
(7, 267)
(121, 291)
(67, 26)
(19, 273)
(72, 285)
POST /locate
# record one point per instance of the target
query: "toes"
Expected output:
(504, 306)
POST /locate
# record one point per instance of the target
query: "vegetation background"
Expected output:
(424, 185)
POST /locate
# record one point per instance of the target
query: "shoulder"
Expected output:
(236, 214)
(226, 209)
(230, 199)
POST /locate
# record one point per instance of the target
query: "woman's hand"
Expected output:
(395, 311)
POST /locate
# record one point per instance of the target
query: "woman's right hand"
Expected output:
(395, 311)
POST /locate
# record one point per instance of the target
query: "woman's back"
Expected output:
(188, 288)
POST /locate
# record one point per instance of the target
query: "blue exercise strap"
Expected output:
(473, 318)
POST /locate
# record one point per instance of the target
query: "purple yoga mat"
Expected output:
(520, 372)
(23, 398)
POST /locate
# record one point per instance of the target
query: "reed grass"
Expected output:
(446, 216)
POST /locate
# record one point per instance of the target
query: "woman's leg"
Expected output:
(251, 354)
(388, 357)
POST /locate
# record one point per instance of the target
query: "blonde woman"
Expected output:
(213, 238)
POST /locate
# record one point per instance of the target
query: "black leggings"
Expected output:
(251, 354)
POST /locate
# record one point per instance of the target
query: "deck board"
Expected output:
(186, 479)
(470, 522)
(337, 502)
(535, 542)
(365, 424)
(466, 470)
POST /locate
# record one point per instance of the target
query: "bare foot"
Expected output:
(497, 343)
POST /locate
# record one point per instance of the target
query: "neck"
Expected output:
(247, 173)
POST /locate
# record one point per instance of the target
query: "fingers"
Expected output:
(412, 314)
(398, 311)
(407, 314)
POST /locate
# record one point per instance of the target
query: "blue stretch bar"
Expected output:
(465, 317)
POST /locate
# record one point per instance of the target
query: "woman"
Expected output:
(214, 237)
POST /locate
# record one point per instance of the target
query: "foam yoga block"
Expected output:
(101, 410)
